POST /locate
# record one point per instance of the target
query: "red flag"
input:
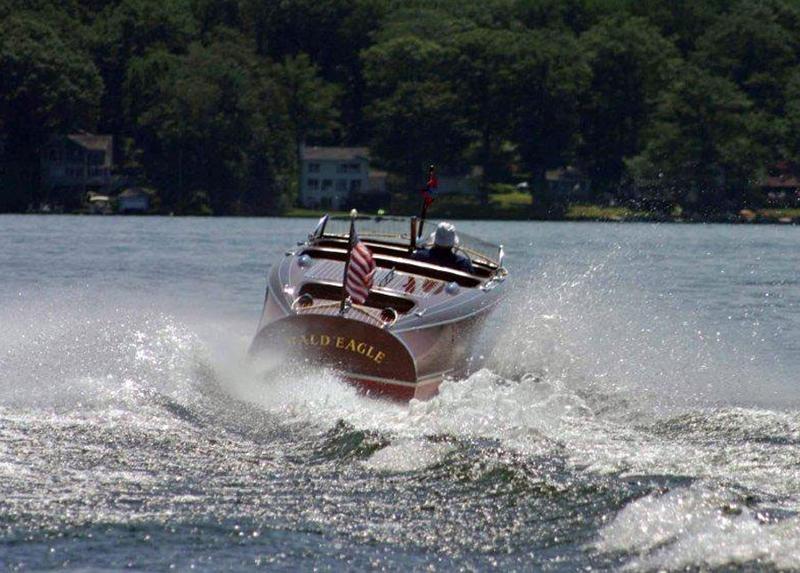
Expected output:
(430, 187)
(360, 272)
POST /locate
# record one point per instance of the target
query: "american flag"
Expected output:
(360, 272)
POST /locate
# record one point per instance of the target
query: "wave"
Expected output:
(699, 526)
(563, 356)
(583, 379)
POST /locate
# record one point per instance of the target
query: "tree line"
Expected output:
(210, 100)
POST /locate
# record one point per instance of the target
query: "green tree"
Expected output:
(217, 117)
(631, 63)
(401, 60)
(143, 78)
(332, 32)
(141, 93)
(681, 21)
(423, 20)
(576, 15)
(550, 80)
(128, 30)
(311, 101)
(415, 115)
(416, 125)
(755, 45)
(792, 124)
(703, 147)
(483, 66)
(46, 87)
(212, 14)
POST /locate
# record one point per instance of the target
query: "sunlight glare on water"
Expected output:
(637, 408)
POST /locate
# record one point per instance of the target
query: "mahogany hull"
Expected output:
(434, 315)
(402, 366)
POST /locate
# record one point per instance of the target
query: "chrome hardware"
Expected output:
(319, 230)
(303, 301)
(499, 276)
(388, 317)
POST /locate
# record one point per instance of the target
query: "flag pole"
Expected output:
(422, 219)
(426, 201)
(353, 216)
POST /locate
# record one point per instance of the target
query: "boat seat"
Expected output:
(374, 246)
(327, 290)
(401, 264)
(393, 249)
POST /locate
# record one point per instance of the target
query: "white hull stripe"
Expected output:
(430, 379)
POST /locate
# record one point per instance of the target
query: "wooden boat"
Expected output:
(416, 327)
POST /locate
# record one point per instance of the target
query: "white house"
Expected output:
(331, 176)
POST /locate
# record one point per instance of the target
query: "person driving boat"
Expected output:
(443, 252)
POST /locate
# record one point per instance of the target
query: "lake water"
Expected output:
(640, 408)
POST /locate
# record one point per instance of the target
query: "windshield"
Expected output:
(398, 230)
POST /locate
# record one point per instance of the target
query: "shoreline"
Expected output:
(728, 219)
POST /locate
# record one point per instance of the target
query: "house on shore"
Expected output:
(330, 176)
(74, 165)
(340, 178)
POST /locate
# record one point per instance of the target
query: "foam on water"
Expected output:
(553, 374)
(614, 385)
(598, 332)
(700, 526)
(629, 389)
(408, 455)
(585, 333)
(93, 355)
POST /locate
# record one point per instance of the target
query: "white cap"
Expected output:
(445, 235)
